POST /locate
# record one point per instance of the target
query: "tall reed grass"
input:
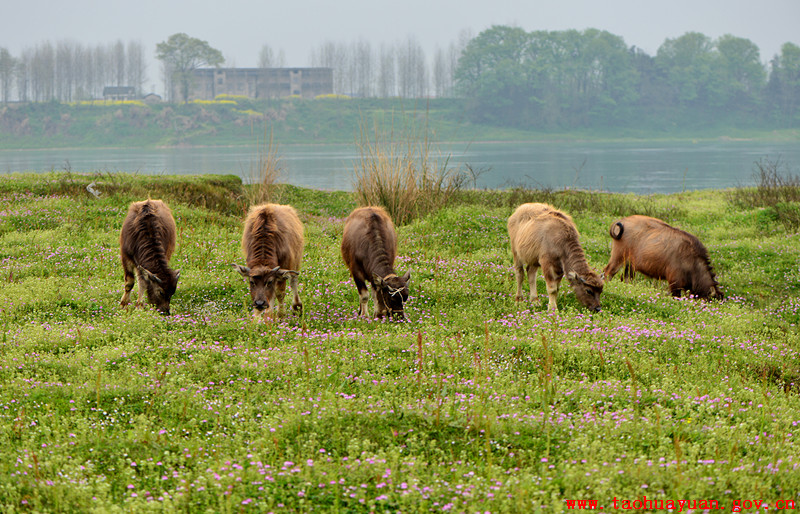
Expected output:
(777, 190)
(405, 172)
(265, 171)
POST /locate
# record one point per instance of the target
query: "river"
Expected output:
(638, 167)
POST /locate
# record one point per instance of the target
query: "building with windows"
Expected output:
(208, 83)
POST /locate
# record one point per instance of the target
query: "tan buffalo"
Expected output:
(544, 237)
(272, 243)
(653, 248)
(146, 242)
(369, 248)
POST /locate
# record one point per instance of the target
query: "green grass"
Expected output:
(55, 125)
(476, 403)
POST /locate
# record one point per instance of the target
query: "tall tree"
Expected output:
(688, 65)
(43, 73)
(182, 55)
(492, 73)
(741, 74)
(267, 58)
(412, 78)
(333, 55)
(136, 68)
(364, 69)
(783, 90)
(386, 72)
(8, 65)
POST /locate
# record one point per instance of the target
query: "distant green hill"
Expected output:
(242, 121)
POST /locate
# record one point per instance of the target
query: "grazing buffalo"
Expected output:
(146, 244)
(369, 247)
(542, 236)
(273, 247)
(655, 249)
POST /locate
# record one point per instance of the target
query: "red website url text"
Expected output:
(644, 503)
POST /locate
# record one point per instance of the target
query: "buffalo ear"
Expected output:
(244, 270)
(285, 272)
(378, 280)
(147, 275)
(406, 277)
(177, 275)
(575, 278)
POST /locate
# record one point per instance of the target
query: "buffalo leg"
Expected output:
(532, 282)
(127, 267)
(519, 273)
(614, 264)
(280, 294)
(628, 273)
(363, 297)
(553, 281)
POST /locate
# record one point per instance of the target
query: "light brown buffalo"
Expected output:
(146, 243)
(369, 248)
(544, 237)
(272, 243)
(653, 248)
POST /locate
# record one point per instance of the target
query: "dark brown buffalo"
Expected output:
(272, 243)
(146, 243)
(369, 248)
(653, 248)
(544, 237)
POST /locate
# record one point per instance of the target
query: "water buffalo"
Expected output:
(542, 236)
(369, 248)
(272, 243)
(655, 249)
(146, 243)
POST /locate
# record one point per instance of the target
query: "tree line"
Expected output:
(569, 79)
(400, 69)
(505, 75)
(68, 71)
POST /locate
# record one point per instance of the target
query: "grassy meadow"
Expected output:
(475, 403)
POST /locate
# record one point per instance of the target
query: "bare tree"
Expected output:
(8, 65)
(266, 57)
(118, 63)
(136, 68)
(82, 61)
(43, 73)
(386, 72)
(23, 75)
(364, 68)
(65, 73)
(441, 75)
(102, 65)
(412, 69)
(332, 55)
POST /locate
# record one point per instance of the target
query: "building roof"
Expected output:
(118, 90)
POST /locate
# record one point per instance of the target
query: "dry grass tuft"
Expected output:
(265, 171)
(406, 175)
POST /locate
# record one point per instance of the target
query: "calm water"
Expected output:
(647, 167)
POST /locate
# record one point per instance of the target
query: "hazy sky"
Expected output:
(240, 28)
